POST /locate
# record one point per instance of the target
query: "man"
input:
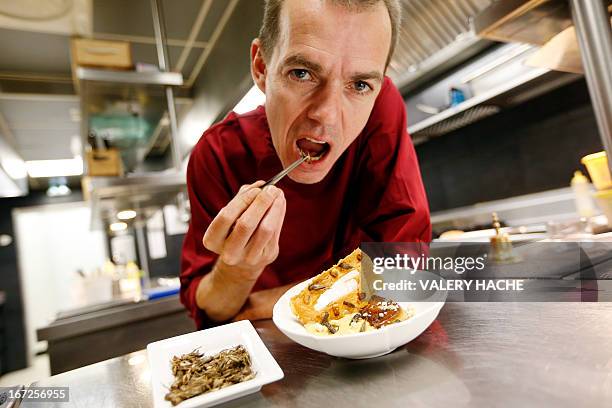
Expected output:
(321, 64)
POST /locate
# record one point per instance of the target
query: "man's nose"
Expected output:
(326, 105)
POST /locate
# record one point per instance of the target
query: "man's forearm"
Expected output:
(222, 292)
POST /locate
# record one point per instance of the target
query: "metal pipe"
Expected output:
(176, 156)
(159, 27)
(143, 257)
(193, 34)
(164, 65)
(595, 38)
(214, 37)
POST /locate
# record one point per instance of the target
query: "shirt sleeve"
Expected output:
(392, 201)
(207, 196)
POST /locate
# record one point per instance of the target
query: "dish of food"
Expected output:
(376, 313)
(333, 298)
(196, 373)
(333, 303)
(211, 366)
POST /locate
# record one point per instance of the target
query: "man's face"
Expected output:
(322, 79)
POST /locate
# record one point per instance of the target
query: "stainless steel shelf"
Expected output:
(123, 78)
(529, 209)
(105, 92)
(145, 194)
(474, 101)
(495, 84)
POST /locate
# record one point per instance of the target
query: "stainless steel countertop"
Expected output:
(116, 314)
(475, 354)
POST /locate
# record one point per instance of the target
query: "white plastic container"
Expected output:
(582, 195)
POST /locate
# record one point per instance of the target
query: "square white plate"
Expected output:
(211, 341)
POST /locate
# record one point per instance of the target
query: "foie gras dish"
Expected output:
(334, 304)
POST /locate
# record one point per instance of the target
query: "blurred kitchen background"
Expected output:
(101, 102)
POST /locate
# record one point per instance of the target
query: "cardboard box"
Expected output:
(101, 54)
(104, 163)
(561, 53)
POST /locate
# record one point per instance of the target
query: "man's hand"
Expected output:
(245, 235)
(246, 231)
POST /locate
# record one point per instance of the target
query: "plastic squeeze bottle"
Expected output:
(582, 195)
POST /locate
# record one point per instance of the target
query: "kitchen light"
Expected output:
(126, 215)
(118, 226)
(5, 240)
(58, 190)
(55, 168)
(250, 101)
(515, 52)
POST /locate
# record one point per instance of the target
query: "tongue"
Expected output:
(311, 148)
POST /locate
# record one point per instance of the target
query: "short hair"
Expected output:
(270, 27)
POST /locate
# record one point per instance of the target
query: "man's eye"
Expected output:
(361, 87)
(300, 74)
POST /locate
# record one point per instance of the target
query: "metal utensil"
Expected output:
(17, 390)
(283, 173)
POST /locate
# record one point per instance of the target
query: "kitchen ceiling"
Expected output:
(36, 58)
(37, 100)
(43, 126)
(25, 51)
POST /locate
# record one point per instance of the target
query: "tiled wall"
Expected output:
(532, 147)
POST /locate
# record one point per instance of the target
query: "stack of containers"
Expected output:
(597, 166)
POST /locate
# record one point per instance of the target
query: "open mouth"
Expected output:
(312, 148)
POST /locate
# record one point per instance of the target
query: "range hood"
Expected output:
(436, 35)
(495, 80)
(538, 21)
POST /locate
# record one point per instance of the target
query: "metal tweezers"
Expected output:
(15, 403)
(288, 170)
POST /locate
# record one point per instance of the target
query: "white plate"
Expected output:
(359, 345)
(212, 341)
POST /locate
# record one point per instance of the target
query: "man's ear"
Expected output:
(258, 65)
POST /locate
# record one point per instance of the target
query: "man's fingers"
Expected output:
(258, 183)
(268, 230)
(233, 248)
(219, 228)
(270, 250)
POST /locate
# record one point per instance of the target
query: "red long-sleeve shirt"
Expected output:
(373, 193)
